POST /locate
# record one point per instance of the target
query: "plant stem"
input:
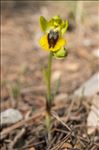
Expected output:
(49, 96)
(49, 77)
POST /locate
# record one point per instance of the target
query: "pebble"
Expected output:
(10, 116)
(96, 52)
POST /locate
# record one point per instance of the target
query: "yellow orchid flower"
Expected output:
(51, 44)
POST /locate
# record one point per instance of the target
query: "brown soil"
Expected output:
(22, 61)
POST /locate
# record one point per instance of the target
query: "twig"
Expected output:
(59, 119)
(59, 145)
(59, 130)
(19, 135)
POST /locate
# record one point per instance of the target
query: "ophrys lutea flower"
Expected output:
(53, 39)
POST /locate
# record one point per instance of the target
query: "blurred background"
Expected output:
(22, 58)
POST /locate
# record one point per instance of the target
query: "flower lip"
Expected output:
(45, 45)
(52, 38)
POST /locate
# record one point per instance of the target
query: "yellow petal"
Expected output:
(44, 43)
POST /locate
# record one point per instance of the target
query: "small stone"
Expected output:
(90, 87)
(10, 116)
(96, 52)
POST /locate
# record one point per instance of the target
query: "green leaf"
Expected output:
(43, 24)
(62, 53)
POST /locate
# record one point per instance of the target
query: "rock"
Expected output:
(96, 52)
(90, 87)
(10, 116)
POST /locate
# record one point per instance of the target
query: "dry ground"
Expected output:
(22, 61)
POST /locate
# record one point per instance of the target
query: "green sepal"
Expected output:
(64, 27)
(56, 17)
(62, 53)
(57, 20)
(55, 23)
(43, 24)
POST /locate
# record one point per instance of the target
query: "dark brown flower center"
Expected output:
(52, 38)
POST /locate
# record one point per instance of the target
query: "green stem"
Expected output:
(49, 96)
(49, 77)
